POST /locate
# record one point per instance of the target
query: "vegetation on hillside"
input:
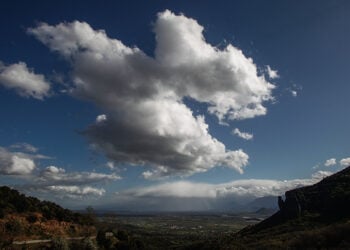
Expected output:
(13, 202)
(23, 217)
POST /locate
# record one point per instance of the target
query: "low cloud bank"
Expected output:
(186, 196)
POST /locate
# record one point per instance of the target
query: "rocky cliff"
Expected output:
(329, 197)
(327, 200)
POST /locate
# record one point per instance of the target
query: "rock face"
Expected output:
(291, 207)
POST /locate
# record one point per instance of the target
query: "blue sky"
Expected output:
(145, 145)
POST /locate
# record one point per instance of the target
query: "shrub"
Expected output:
(32, 218)
(59, 244)
(106, 242)
(122, 235)
(13, 226)
(88, 244)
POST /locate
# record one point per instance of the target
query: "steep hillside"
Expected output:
(328, 200)
(329, 197)
(24, 217)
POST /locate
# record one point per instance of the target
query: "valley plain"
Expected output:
(178, 230)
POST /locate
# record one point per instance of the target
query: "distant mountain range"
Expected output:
(267, 203)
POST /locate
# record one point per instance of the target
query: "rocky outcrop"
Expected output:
(328, 199)
(291, 207)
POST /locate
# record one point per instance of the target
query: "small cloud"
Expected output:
(21, 165)
(111, 165)
(147, 175)
(330, 162)
(243, 135)
(294, 93)
(156, 173)
(21, 162)
(24, 81)
(273, 74)
(53, 170)
(101, 118)
(345, 162)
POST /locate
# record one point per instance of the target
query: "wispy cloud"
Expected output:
(294, 90)
(26, 147)
(273, 74)
(243, 135)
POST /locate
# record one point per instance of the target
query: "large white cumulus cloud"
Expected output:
(147, 121)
